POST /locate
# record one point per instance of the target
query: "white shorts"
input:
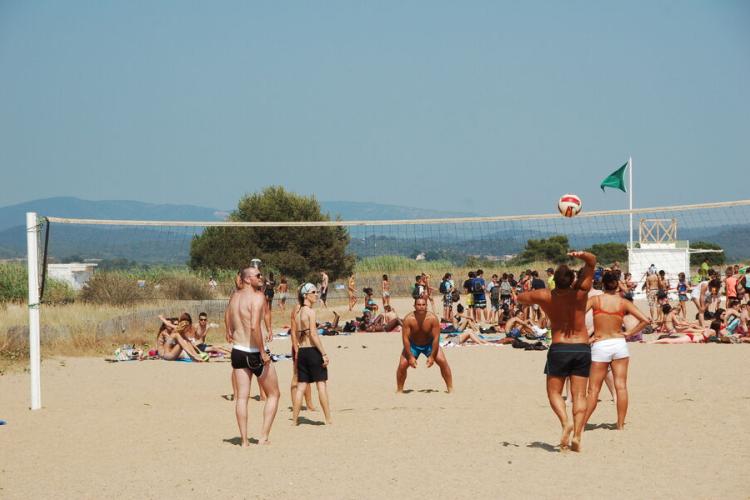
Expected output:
(605, 351)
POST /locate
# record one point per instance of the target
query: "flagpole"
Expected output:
(630, 186)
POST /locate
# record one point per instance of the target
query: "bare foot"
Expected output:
(312, 408)
(449, 390)
(245, 444)
(620, 427)
(264, 442)
(329, 422)
(565, 439)
(575, 444)
(399, 390)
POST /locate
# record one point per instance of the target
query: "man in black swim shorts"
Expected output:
(570, 353)
(246, 310)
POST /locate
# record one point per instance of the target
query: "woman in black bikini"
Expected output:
(312, 360)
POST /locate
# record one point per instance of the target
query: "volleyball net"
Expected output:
(129, 263)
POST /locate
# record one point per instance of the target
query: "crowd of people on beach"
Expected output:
(583, 318)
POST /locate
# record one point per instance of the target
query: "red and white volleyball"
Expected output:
(569, 205)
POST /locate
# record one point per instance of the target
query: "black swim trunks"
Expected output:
(310, 365)
(564, 360)
(249, 360)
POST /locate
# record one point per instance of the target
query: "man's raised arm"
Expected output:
(586, 274)
(533, 297)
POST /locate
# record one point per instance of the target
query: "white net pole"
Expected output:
(32, 233)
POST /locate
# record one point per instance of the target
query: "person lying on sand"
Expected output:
(463, 338)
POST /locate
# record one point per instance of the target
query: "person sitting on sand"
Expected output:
(371, 323)
(391, 320)
(733, 317)
(421, 335)
(463, 322)
(199, 339)
(744, 319)
(673, 323)
(517, 326)
(172, 339)
(369, 300)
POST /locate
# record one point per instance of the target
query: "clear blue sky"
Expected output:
(492, 107)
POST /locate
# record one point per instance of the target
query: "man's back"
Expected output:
(241, 315)
(566, 309)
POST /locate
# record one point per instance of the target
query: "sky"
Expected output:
(489, 107)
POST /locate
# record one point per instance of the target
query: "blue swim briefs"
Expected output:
(416, 350)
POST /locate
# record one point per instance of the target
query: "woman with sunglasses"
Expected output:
(311, 360)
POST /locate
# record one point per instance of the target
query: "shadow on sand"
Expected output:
(306, 421)
(237, 441)
(593, 427)
(544, 446)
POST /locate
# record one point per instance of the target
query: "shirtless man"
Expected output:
(421, 335)
(246, 309)
(570, 353)
(652, 286)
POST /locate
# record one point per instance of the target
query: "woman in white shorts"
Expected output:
(609, 348)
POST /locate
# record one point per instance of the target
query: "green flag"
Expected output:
(616, 179)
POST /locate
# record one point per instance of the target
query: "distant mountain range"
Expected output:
(83, 240)
(14, 215)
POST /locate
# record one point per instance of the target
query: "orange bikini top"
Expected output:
(597, 310)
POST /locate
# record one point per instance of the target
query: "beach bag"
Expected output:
(444, 287)
(455, 296)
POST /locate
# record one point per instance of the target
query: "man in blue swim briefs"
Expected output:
(570, 352)
(421, 335)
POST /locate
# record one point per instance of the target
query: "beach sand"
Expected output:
(158, 429)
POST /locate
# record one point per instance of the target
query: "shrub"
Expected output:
(112, 288)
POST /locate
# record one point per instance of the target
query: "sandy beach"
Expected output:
(163, 429)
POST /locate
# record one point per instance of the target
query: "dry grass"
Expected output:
(88, 329)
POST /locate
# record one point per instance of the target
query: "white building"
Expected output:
(659, 247)
(76, 274)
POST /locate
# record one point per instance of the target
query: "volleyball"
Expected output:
(569, 205)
